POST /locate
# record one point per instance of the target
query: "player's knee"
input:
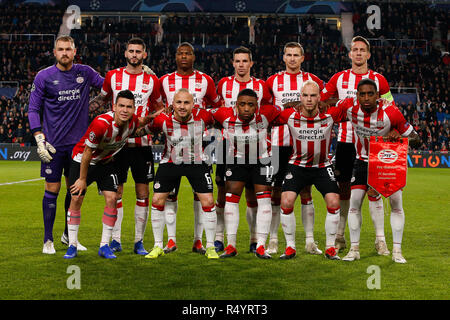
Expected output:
(396, 201)
(287, 203)
(333, 203)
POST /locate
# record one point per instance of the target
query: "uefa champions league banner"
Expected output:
(17, 152)
(230, 6)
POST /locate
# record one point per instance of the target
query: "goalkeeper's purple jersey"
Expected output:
(62, 99)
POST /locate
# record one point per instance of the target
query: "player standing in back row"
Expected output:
(228, 89)
(285, 87)
(344, 84)
(137, 153)
(60, 94)
(203, 90)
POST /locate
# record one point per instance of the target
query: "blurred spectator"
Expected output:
(409, 63)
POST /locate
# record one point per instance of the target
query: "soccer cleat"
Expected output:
(230, 251)
(211, 253)
(397, 256)
(261, 253)
(170, 247)
(71, 252)
(381, 248)
(311, 248)
(252, 247)
(198, 247)
(218, 245)
(273, 246)
(48, 248)
(115, 246)
(65, 240)
(106, 252)
(352, 255)
(331, 253)
(340, 243)
(139, 248)
(155, 253)
(289, 253)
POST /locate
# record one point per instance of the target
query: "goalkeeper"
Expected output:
(60, 100)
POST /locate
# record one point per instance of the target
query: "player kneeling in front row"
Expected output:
(92, 160)
(372, 116)
(309, 164)
(183, 156)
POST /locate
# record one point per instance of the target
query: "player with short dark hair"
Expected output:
(371, 116)
(92, 160)
(245, 128)
(285, 88)
(203, 90)
(228, 89)
(59, 116)
(137, 154)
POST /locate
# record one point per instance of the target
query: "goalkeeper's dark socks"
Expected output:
(49, 213)
(66, 209)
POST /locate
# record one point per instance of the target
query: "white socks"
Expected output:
(198, 226)
(376, 210)
(209, 221)
(73, 224)
(140, 219)
(117, 230)
(354, 215)
(170, 214)
(275, 224)
(397, 219)
(220, 227)
(109, 219)
(308, 219)
(263, 216)
(345, 205)
(158, 219)
(231, 217)
(331, 225)
(288, 223)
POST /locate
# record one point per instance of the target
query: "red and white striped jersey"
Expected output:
(199, 84)
(229, 88)
(344, 84)
(183, 139)
(311, 136)
(378, 123)
(145, 88)
(248, 140)
(285, 87)
(105, 137)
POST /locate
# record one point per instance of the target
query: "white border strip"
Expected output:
(23, 181)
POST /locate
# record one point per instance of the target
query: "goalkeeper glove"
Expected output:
(43, 148)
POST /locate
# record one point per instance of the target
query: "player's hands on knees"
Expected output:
(78, 187)
(44, 149)
(393, 136)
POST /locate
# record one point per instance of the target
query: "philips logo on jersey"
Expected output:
(387, 156)
(69, 95)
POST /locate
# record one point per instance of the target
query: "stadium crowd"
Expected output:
(100, 44)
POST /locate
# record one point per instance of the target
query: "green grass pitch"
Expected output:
(26, 273)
